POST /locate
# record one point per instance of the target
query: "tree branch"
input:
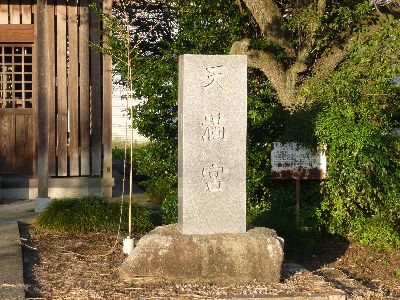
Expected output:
(310, 38)
(321, 7)
(240, 47)
(331, 58)
(270, 66)
(269, 19)
(336, 53)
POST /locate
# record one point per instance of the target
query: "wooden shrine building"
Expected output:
(55, 100)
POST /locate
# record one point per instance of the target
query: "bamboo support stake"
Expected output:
(131, 182)
(129, 97)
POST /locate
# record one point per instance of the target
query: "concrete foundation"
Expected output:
(12, 188)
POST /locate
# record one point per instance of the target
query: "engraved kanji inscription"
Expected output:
(213, 177)
(212, 128)
(214, 74)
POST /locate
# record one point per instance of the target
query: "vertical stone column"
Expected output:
(212, 144)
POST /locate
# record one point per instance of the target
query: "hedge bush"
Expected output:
(92, 214)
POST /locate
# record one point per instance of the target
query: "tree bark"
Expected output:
(269, 19)
(270, 66)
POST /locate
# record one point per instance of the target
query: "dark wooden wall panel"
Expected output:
(7, 142)
(95, 97)
(51, 110)
(79, 104)
(84, 88)
(73, 89)
(62, 113)
(24, 143)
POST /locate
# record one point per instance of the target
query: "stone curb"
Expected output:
(11, 271)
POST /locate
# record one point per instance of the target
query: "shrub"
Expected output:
(118, 149)
(91, 214)
(375, 231)
(169, 208)
(359, 107)
(156, 168)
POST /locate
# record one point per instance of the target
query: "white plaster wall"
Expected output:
(119, 117)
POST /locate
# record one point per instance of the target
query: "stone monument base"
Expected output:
(164, 254)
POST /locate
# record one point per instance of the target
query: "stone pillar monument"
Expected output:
(210, 243)
(212, 111)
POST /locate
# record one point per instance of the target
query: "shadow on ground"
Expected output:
(119, 187)
(30, 260)
(310, 249)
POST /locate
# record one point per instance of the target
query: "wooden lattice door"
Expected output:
(17, 128)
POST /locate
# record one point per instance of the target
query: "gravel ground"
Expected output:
(86, 267)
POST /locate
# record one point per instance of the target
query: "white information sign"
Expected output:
(291, 161)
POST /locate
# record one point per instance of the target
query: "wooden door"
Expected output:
(17, 128)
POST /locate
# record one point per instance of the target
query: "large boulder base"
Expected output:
(165, 254)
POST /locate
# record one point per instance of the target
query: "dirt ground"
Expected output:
(86, 267)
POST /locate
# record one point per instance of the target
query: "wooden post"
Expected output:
(62, 113)
(96, 94)
(84, 90)
(73, 91)
(107, 104)
(42, 90)
(297, 200)
(51, 77)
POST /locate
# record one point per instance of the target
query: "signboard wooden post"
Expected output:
(293, 161)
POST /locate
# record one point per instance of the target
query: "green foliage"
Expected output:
(353, 110)
(359, 107)
(159, 160)
(266, 45)
(265, 122)
(118, 153)
(91, 214)
(118, 149)
(343, 15)
(206, 28)
(169, 208)
(302, 21)
(375, 231)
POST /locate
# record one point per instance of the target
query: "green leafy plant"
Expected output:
(169, 209)
(118, 150)
(334, 67)
(359, 107)
(91, 214)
